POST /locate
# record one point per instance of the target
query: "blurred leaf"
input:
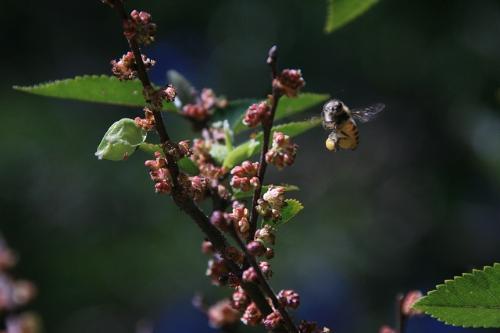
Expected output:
(247, 149)
(185, 90)
(185, 164)
(295, 128)
(470, 300)
(188, 166)
(241, 153)
(289, 211)
(341, 12)
(121, 140)
(286, 108)
(94, 88)
(248, 194)
(218, 152)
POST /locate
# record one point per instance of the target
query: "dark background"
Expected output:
(417, 203)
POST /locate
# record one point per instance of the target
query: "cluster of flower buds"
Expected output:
(240, 299)
(252, 316)
(125, 68)
(217, 270)
(256, 113)
(209, 100)
(406, 309)
(222, 314)
(239, 216)
(140, 27)
(199, 187)
(408, 301)
(289, 82)
(273, 320)
(263, 237)
(271, 203)
(289, 298)
(221, 220)
(14, 294)
(195, 112)
(168, 93)
(148, 122)
(159, 173)
(184, 148)
(250, 275)
(245, 176)
(265, 268)
(312, 327)
(282, 152)
(205, 106)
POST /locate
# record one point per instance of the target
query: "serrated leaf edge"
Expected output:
(424, 308)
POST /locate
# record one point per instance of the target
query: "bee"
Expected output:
(341, 120)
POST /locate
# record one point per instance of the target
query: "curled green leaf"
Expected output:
(121, 140)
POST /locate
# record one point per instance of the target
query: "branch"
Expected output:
(265, 285)
(401, 318)
(267, 125)
(183, 201)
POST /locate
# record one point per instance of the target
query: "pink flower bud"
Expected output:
(272, 321)
(256, 248)
(222, 314)
(252, 316)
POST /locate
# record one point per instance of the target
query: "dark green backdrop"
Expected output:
(418, 202)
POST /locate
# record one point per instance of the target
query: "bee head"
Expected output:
(332, 108)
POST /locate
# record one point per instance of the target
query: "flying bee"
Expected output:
(341, 120)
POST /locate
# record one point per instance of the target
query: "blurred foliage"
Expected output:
(106, 253)
(341, 12)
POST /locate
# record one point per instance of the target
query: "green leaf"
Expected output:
(121, 140)
(241, 153)
(218, 152)
(341, 12)
(185, 164)
(188, 166)
(470, 300)
(248, 194)
(287, 107)
(185, 90)
(289, 211)
(94, 88)
(247, 149)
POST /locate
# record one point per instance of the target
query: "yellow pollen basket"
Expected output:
(330, 144)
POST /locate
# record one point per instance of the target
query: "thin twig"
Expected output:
(401, 318)
(267, 125)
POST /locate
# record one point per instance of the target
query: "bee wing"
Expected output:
(369, 113)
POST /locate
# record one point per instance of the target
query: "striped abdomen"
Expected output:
(348, 134)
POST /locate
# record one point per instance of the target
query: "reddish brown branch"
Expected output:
(182, 200)
(265, 285)
(267, 125)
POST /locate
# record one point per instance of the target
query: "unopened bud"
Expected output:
(256, 248)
